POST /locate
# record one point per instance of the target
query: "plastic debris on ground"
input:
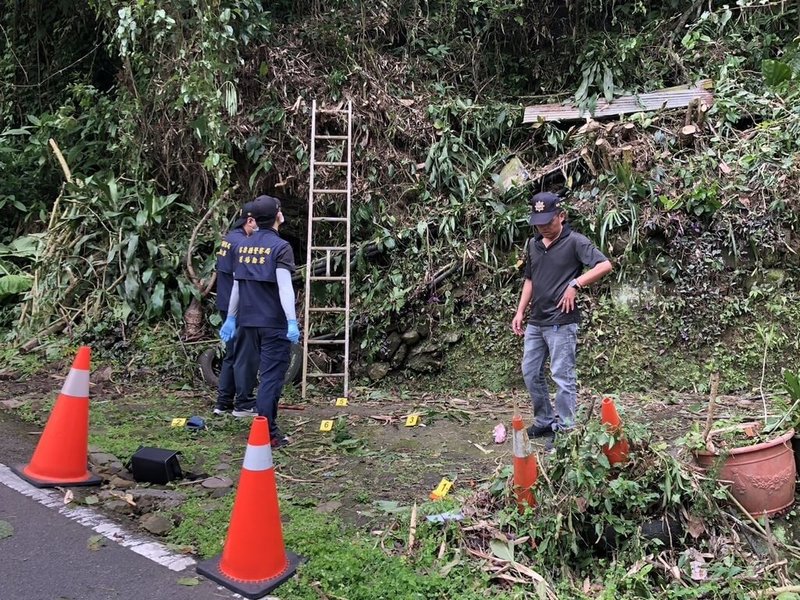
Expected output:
(499, 433)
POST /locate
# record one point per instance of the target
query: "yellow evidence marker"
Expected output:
(341, 402)
(326, 426)
(178, 422)
(441, 489)
(412, 420)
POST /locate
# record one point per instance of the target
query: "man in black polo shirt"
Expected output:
(556, 258)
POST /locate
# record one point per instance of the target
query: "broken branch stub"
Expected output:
(603, 150)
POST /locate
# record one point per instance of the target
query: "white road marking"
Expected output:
(149, 549)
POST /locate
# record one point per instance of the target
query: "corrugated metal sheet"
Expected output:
(663, 99)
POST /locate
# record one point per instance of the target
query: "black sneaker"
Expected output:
(536, 431)
(279, 441)
(245, 412)
(222, 409)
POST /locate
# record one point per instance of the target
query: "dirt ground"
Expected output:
(370, 455)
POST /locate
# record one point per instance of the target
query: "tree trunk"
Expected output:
(193, 321)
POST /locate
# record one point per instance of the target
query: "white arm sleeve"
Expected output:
(233, 303)
(286, 292)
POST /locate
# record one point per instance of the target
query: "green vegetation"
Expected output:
(163, 112)
(168, 115)
(346, 498)
(360, 570)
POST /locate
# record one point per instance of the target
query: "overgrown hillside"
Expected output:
(166, 111)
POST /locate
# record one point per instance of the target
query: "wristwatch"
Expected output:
(574, 284)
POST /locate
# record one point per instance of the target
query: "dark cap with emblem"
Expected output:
(544, 206)
(263, 208)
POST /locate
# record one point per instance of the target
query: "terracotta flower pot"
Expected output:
(762, 476)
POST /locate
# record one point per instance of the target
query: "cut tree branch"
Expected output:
(196, 281)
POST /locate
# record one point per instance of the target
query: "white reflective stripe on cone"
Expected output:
(257, 458)
(77, 383)
(519, 445)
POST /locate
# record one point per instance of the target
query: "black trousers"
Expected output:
(273, 349)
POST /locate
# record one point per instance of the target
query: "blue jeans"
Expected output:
(273, 351)
(559, 342)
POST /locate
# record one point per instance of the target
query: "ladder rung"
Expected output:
(332, 111)
(326, 278)
(330, 219)
(330, 164)
(331, 137)
(331, 248)
(325, 374)
(333, 309)
(330, 191)
(328, 342)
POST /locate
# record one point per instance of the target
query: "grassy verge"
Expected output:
(346, 497)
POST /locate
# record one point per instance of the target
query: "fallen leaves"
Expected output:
(502, 568)
(182, 548)
(123, 496)
(6, 529)
(695, 526)
(391, 507)
(96, 542)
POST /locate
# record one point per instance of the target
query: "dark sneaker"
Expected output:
(222, 409)
(279, 441)
(245, 412)
(535, 431)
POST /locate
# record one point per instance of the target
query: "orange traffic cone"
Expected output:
(254, 560)
(618, 453)
(526, 469)
(60, 457)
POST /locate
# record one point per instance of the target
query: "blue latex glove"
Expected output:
(228, 331)
(293, 332)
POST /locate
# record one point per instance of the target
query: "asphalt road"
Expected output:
(52, 555)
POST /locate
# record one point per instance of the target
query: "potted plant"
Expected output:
(791, 383)
(754, 457)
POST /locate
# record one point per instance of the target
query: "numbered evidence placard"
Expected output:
(442, 489)
(412, 420)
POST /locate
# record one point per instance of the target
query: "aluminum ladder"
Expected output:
(328, 261)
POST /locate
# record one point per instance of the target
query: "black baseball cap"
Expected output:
(262, 208)
(544, 207)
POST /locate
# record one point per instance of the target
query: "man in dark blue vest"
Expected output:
(226, 390)
(262, 305)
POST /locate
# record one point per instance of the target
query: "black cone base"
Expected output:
(19, 470)
(257, 589)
